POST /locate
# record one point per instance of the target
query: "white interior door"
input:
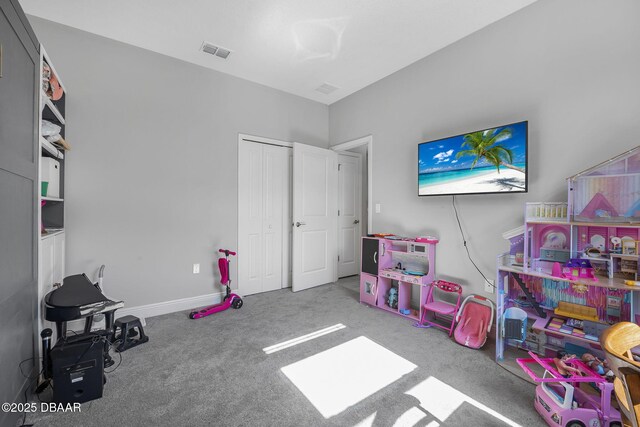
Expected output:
(263, 207)
(349, 213)
(315, 214)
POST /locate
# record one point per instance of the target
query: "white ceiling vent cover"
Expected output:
(215, 50)
(326, 88)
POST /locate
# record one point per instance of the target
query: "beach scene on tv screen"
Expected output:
(488, 161)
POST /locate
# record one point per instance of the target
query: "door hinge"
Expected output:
(338, 212)
(338, 258)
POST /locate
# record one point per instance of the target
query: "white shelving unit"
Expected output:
(51, 247)
(51, 149)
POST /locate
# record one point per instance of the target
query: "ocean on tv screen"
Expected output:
(487, 161)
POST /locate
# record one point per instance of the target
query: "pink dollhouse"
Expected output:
(576, 260)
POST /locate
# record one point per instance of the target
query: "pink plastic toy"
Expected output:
(561, 402)
(230, 300)
(440, 307)
(474, 319)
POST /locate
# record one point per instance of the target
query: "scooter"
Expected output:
(230, 299)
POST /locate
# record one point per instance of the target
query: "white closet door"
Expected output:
(315, 214)
(274, 164)
(263, 203)
(349, 209)
(250, 246)
(287, 226)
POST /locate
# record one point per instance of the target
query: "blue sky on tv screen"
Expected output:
(440, 156)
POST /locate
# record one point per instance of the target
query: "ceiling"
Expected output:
(291, 45)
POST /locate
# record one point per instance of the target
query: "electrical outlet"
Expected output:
(196, 268)
(489, 287)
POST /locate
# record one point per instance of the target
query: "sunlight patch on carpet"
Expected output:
(441, 400)
(367, 422)
(342, 376)
(410, 418)
(304, 338)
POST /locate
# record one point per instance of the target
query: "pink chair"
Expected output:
(441, 307)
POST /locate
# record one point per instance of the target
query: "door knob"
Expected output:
(298, 224)
(357, 221)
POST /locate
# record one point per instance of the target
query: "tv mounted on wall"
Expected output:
(482, 162)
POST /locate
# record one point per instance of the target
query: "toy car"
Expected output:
(561, 402)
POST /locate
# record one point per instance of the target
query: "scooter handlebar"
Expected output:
(227, 252)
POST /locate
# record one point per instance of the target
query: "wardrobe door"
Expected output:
(263, 203)
(274, 168)
(250, 206)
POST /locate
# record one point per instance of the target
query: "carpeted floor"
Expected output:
(213, 371)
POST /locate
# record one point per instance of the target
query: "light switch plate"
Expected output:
(378, 207)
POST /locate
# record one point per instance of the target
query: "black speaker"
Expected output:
(77, 370)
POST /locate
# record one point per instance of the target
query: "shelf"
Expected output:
(541, 325)
(51, 149)
(603, 282)
(401, 277)
(625, 256)
(49, 103)
(52, 199)
(51, 233)
(416, 254)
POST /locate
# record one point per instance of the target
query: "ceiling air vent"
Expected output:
(326, 88)
(215, 50)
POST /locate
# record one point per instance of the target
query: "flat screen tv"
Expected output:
(482, 162)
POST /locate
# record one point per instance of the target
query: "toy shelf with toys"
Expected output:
(571, 268)
(396, 273)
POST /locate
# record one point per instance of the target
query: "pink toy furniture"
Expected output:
(440, 307)
(401, 264)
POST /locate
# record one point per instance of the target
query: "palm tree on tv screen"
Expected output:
(485, 145)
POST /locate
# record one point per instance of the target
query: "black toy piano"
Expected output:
(76, 362)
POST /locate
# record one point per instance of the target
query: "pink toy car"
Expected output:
(561, 402)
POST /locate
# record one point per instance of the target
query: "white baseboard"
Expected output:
(151, 310)
(166, 307)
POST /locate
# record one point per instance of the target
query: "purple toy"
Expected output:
(579, 268)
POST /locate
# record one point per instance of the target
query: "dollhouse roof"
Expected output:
(625, 163)
(578, 262)
(513, 233)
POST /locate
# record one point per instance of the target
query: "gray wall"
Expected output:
(571, 67)
(151, 178)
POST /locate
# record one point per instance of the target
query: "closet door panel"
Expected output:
(250, 218)
(273, 164)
